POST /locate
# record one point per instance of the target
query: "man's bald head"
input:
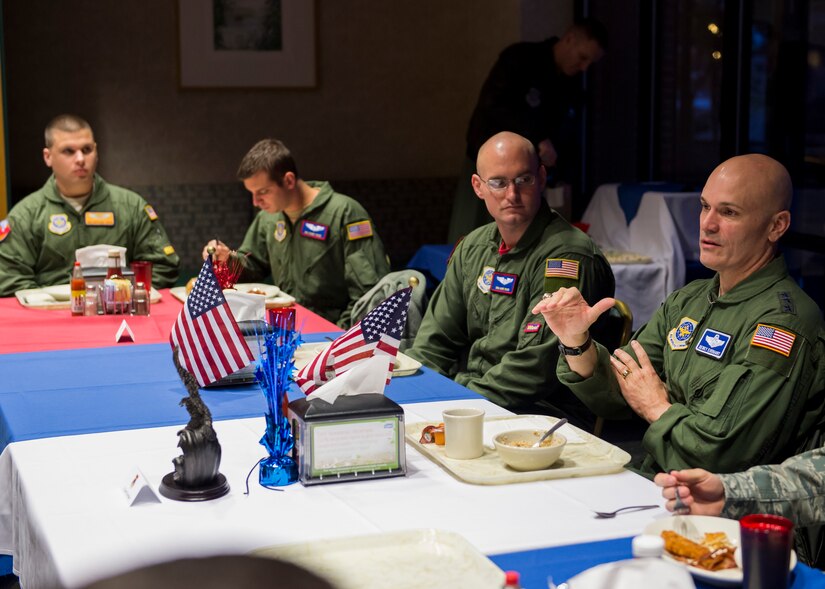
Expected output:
(505, 146)
(764, 180)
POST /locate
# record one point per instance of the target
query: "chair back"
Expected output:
(616, 332)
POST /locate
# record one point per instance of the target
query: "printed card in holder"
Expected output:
(138, 489)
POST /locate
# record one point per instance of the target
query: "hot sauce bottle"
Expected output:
(78, 290)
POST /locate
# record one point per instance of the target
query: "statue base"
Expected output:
(170, 489)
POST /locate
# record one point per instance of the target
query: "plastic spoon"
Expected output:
(549, 432)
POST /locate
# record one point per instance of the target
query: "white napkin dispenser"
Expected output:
(356, 437)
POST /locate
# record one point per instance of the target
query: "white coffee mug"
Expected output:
(463, 433)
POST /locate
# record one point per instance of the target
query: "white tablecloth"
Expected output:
(65, 517)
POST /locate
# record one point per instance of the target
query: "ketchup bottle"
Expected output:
(78, 290)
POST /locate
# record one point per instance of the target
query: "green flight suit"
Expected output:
(735, 402)
(327, 260)
(46, 231)
(491, 342)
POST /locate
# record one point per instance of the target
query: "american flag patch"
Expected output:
(532, 327)
(560, 268)
(773, 338)
(359, 230)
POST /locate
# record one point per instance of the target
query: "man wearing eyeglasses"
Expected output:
(479, 328)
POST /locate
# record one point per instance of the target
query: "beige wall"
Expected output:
(397, 83)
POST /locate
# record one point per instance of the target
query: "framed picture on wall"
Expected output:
(247, 43)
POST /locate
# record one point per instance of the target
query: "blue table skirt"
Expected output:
(45, 394)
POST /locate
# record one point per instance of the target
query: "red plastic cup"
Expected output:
(282, 317)
(143, 273)
(765, 542)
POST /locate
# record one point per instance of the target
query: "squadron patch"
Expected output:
(532, 327)
(486, 279)
(317, 231)
(774, 339)
(168, 250)
(99, 219)
(713, 343)
(503, 283)
(359, 230)
(561, 268)
(280, 231)
(150, 212)
(5, 229)
(60, 224)
(679, 336)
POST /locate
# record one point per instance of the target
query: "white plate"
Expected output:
(267, 290)
(401, 560)
(59, 292)
(697, 526)
(403, 365)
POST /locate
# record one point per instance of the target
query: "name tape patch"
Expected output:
(99, 219)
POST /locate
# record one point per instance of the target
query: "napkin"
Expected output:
(244, 306)
(97, 256)
(368, 376)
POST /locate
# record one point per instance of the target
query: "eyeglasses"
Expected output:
(500, 184)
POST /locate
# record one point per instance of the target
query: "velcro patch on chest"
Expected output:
(774, 339)
(280, 231)
(713, 343)
(59, 224)
(99, 219)
(561, 268)
(503, 283)
(359, 230)
(533, 327)
(312, 230)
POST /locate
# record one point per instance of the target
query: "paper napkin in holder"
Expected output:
(97, 256)
(245, 306)
(368, 376)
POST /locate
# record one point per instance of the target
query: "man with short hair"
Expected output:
(478, 328)
(76, 208)
(534, 90)
(320, 246)
(729, 371)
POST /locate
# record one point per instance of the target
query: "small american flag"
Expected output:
(557, 267)
(211, 345)
(379, 332)
(774, 339)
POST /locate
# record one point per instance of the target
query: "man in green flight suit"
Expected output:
(320, 246)
(77, 208)
(479, 328)
(728, 372)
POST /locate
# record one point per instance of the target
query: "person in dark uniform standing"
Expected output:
(534, 90)
(319, 246)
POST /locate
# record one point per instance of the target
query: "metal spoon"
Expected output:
(549, 432)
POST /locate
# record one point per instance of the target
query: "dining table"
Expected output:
(80, 413)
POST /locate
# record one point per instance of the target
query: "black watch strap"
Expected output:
(577, 351)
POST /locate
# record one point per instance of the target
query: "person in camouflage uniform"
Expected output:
(76, 208)
(728, 371)
(319, 246)
(478, 328)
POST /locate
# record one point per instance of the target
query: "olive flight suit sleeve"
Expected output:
(442, 336)
(527, 372)
(151, 244)
(365, 263)
(254, 250)
(18, 254)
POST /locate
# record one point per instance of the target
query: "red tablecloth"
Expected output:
(24, 329)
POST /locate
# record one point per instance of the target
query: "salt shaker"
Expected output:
(140, 300)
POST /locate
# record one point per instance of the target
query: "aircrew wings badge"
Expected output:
(504, 283)
(774, 339)
(312, 230)
(5, 229)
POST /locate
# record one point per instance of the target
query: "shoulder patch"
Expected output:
(150, 212)
(5, 229)
(786, 304)
(774, 339)
(561, 268)
(359, 230)
(99, 219)
(59, 224)
(168, 250)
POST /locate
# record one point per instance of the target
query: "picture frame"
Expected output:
(247, 43)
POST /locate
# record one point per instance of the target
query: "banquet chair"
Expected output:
(616, 333)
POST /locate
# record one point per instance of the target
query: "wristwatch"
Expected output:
(577, 351)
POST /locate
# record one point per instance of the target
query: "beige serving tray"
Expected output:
(275, 297)
(400, 560)
(57, 297)
(584, 455)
